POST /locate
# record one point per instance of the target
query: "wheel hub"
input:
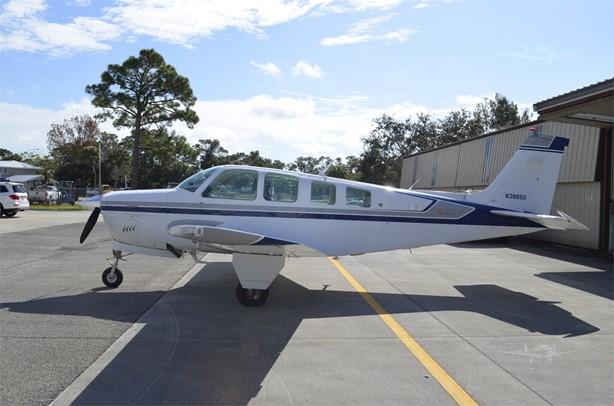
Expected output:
(253, 294)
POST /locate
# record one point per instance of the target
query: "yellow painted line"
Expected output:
(445, 380)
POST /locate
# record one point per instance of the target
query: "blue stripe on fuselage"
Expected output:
(480, 216)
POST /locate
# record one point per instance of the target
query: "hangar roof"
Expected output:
(591, 105)
(18, 165)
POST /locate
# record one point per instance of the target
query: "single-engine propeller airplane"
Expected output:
(264, 216)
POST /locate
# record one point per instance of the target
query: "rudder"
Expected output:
(528, 180)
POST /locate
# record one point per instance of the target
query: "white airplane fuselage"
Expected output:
(396, 218)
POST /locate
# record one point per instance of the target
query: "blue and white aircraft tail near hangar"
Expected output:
(264, 216)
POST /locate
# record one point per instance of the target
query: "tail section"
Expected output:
(528, 180)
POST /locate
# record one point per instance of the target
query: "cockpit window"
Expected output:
(193, 182)
(238, 184)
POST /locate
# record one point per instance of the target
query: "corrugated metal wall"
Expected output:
(580, 201)
(474, 164)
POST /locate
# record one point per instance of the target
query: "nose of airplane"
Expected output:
(137, 196)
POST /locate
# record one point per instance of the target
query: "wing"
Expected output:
(237, 241)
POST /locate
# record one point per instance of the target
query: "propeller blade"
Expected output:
(91, 222)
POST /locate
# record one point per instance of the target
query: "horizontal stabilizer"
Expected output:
(561, 222)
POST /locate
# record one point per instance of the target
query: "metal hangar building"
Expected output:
(585, 187)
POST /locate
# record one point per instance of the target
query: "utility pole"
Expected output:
(99, 167)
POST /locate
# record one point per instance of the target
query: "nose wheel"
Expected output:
(112, 278)
(251, 297)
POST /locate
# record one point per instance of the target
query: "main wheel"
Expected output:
(251, 297)
(112, 279)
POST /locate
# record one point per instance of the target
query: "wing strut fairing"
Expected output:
(228, 240)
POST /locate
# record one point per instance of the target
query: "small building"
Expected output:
(21, 172)
(585, 186)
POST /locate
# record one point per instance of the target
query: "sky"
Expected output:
(298, 77)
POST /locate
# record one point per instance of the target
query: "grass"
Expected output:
(58, 207)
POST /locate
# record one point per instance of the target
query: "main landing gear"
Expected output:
(112, 277)
(251, 297)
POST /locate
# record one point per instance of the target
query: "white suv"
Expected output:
(13, 198)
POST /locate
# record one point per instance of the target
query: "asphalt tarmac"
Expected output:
(509, 323)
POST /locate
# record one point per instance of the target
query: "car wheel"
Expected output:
(10, 213)
(1, 210)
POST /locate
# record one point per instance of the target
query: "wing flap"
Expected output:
(561, 222)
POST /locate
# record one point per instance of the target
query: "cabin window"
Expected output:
(237, 184)
(323, 193)
(193, 182)
(280, 188)
(357, 197)
(3, 189)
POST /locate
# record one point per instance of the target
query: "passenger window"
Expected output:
(323, 193)
(238, 184)
(280, 188)
(357, 197)
(3, 189)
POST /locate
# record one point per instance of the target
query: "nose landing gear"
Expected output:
(112, 277)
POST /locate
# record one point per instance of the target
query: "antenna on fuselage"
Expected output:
(326, 168)
(413, 184)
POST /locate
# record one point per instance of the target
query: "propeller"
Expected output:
(91, 222)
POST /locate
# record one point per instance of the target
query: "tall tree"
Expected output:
(6, 155)
(167, 157)
(73, 144)
(211, 153)
(141, 92)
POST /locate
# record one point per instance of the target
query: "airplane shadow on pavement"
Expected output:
(199, 346)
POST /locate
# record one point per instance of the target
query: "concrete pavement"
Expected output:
(511, 324)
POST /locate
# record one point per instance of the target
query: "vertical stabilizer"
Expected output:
(528, 180)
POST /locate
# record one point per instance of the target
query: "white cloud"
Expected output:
(303, 68)
(422, 5)
(81, 3)
(269, 68)
(468, 101)
(24, 27)
(184, 21)
(24, 128)
(23, 30)
(345, 6)
(367, 31)
(22, 8)
(538, 54)
(279, 127)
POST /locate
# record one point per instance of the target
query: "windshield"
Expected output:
(193, 182)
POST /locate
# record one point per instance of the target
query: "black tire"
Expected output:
(112, 281)
(1, 210)
(251, 297)
(10, 213)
